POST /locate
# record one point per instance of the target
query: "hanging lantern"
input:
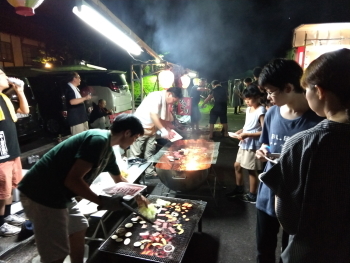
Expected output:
(186, 80)
(25, 7)
(166, 79)
(196, 81)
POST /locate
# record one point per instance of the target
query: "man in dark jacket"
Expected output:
(76, 115)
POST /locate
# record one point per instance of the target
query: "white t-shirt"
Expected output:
(252, 125)
(151, 104)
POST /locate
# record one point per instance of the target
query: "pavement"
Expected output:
(228, 234)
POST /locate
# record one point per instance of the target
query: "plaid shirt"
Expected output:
(312, 185)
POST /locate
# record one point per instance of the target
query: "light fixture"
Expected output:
(95, 67)
(106, 28)
(185, 81)
(166, 79)
(48, 65)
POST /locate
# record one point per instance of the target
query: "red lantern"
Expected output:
(25, 7)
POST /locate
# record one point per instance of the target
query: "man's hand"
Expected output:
(87, 97)
(110, 203)
(262, 152)
(141, 201)
(164, 133)
(18, 85)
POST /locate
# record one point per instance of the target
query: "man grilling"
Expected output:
(154, 113)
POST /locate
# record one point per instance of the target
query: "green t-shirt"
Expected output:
(44, 182)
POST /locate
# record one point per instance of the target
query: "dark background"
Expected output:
(220, 39)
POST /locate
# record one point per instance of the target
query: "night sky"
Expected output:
(219, 39)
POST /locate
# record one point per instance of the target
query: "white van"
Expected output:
(109, 85)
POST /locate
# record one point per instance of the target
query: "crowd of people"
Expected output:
(304, 191)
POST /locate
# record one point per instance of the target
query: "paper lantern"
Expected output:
(196, 81)
(186, 80)
(166, 79)
(25, 7)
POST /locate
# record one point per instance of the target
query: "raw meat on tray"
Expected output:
(124, 189)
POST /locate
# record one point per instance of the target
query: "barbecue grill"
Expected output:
(184, 165)
(179, 242)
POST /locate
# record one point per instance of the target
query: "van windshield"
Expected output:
(105, 79)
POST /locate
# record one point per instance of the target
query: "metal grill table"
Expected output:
(180, 242)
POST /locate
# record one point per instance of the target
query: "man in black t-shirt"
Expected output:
(219, 110)
(98, 115)
(195, 99)
(76, 112)
(10, 162)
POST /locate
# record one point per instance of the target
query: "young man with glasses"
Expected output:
(289, 115)
(76, 112)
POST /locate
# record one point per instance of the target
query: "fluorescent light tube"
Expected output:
(106, 28)
(95, 67)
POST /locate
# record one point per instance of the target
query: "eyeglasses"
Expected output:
(272, 94)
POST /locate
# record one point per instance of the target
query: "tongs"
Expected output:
(137, 212)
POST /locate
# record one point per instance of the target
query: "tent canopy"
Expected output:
(322, 34)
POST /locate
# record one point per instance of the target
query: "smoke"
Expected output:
(218, 38)
(194, 33)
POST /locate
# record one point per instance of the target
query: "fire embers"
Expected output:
(189, 159)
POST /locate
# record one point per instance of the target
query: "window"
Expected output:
(29, 53)
(6, 52)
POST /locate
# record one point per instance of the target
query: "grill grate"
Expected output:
(180, 242)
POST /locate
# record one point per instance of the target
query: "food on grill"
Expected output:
(114, 237)
(149, 211)
(144, 234)
(157, 239)
(174, 214)
(137, 244)
(168, 248)
(120, 231)
(162, 202)
(157, 244)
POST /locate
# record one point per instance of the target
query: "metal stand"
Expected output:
(212, 189)
(102, 219)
